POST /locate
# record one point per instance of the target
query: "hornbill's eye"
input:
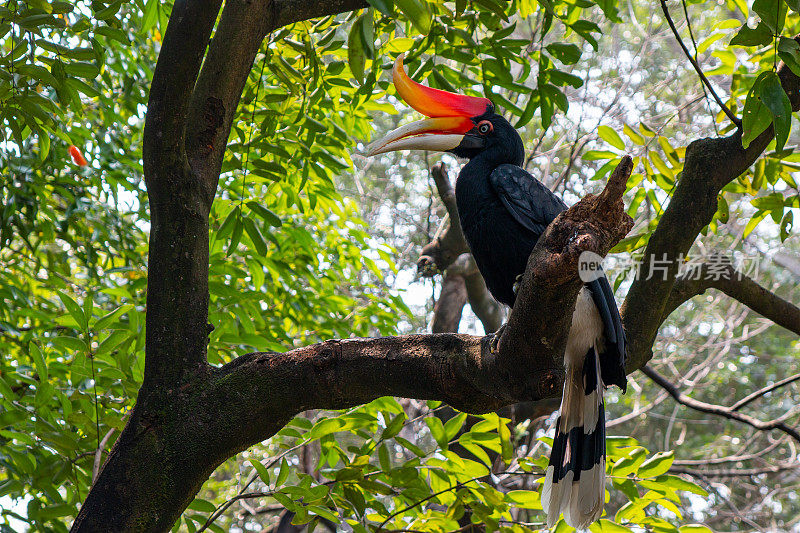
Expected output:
(484, 127)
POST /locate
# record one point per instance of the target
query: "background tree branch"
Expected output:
(725, 278)
(710, 164)
(719, 410)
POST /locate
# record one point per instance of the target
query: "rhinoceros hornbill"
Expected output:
(503, 212)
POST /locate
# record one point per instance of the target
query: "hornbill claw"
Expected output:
(494, 344)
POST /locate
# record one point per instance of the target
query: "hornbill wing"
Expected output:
(531, 204)
(535, 206)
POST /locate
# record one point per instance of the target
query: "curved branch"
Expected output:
(719, 410)
(750, 398)
(710, 164)
(721, 275)
(736, 120)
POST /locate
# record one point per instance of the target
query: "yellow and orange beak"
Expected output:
(450, 117)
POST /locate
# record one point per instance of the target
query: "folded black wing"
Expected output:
(535, 206)
(531, 204)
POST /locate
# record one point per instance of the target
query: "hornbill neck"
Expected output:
(481, 165)
(472, 185)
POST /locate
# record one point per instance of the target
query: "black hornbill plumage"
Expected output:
(504, 211)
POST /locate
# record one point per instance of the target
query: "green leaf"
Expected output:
(776, 100)
(680, 484)
(628, 465)
(386, 7)
(756, 117)
(116, 338)
(227, 225)
(394, 427)
(747, 36)
(74, 310)
(38, 361)
(109, 318)
(149, 16)
(204, 506)
(266, 214)
(656, 465)
(611, 137)
(255, 236)
(786, 225)
(506, 447)
(437, 430)
(453, 426)
(607, 526)
(70, 343)
(368, 34)
(789, 52)
(567, 53)
(283, 473)
(82, 69)
(263, 473)
(326, 426)
(525, 499)
(772, 12)
(417, 12)
(236, 234)
(530, 109)
(356, 55)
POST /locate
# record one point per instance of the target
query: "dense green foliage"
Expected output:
(293, 261)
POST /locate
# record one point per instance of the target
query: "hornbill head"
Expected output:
(462, 125)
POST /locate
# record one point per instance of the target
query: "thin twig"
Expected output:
(694, 44)
(736, 120)
(761, 392)
(741, 472)
(98, 455)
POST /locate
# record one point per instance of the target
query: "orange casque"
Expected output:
(435, 102)
(77, 156)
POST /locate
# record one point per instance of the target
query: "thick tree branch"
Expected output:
(710, 164)
(189, 429)
(177, 286)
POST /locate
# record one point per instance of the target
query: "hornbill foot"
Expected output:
(517, 283)
(494, 344)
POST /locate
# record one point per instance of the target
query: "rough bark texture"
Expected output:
(190, 417)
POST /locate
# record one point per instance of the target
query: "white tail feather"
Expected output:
(580, 501)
